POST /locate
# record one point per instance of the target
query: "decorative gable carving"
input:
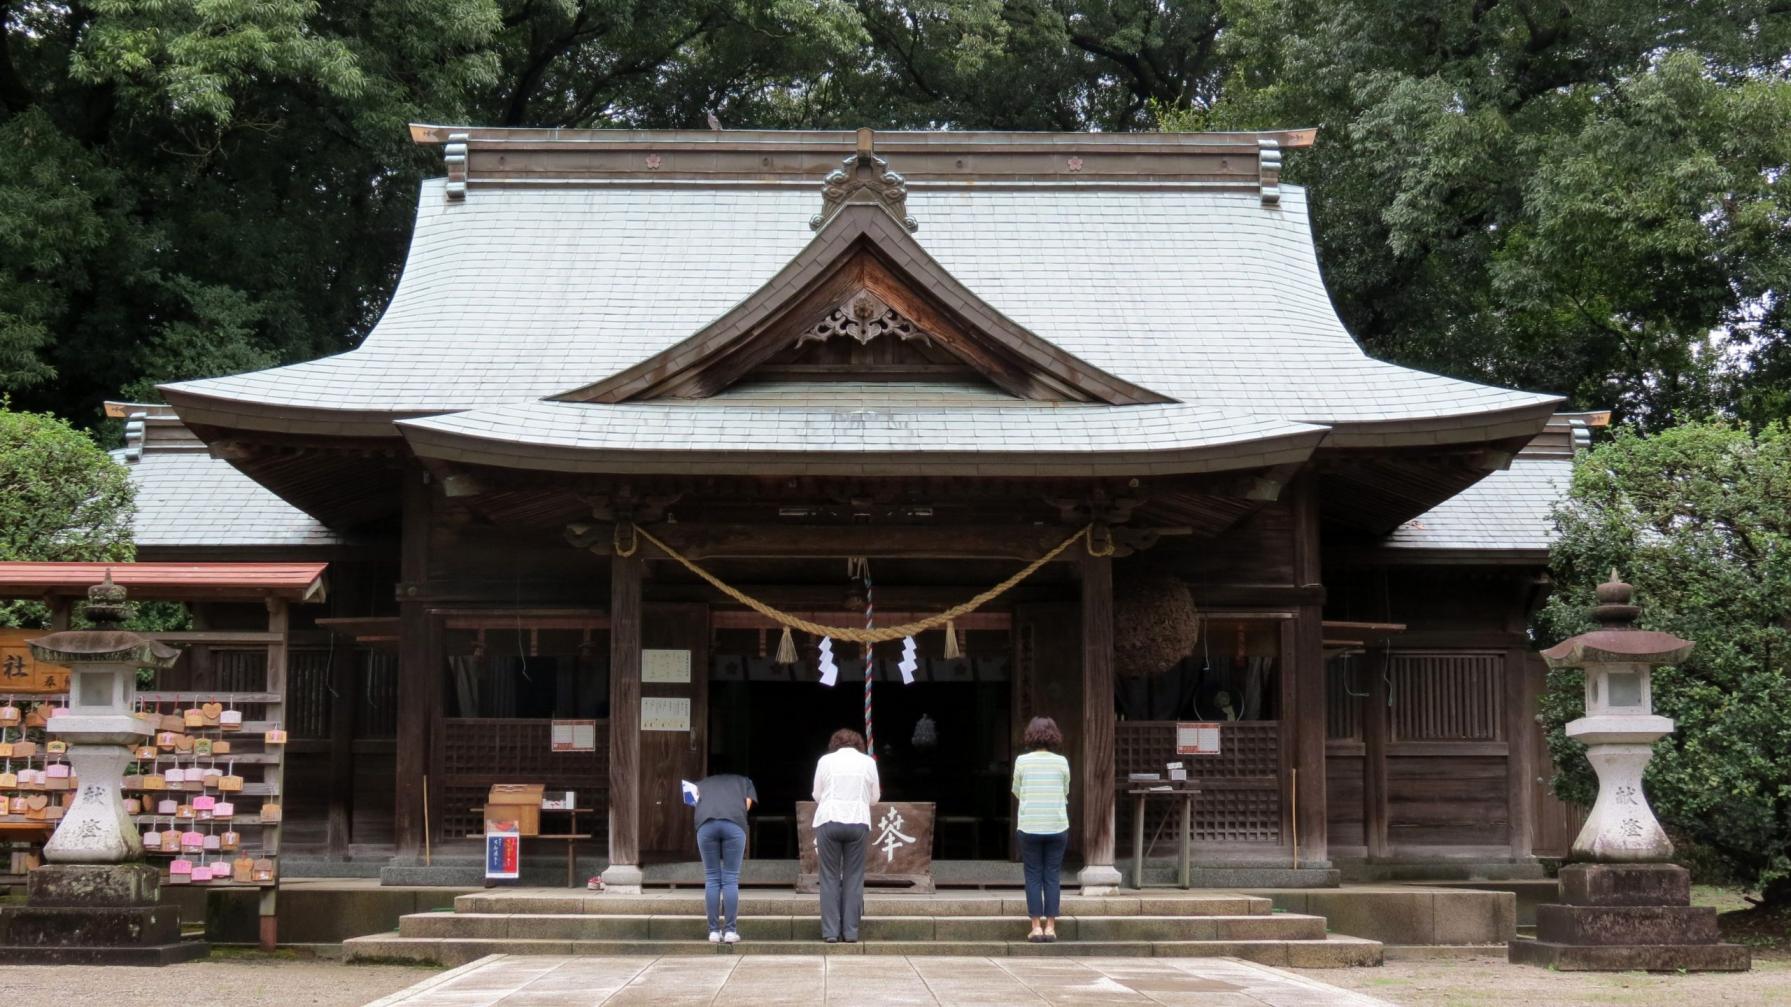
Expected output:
(863, 317)
(863, 177)
(865, 277)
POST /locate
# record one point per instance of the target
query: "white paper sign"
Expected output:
(574, 736)
(668, 666)
(663, 713)
(1197, 739)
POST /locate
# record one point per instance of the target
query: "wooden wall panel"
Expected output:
(1446, 801)
(1343, 800)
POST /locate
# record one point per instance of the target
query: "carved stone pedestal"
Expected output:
(94, 914)
(1628, 917)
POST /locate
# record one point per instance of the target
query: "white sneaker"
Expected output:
(731, 937)
(715, 937)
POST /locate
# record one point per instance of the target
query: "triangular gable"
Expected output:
(865, 277)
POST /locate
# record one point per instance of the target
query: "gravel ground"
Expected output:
(239, 982)
(1486, 982)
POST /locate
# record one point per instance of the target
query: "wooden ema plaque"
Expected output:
(899, 849)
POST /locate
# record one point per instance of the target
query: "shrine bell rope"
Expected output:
(868, 635)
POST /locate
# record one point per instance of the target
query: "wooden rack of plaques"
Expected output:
(257, 755)
(31, 801)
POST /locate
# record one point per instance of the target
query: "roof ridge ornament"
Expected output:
(1268, 170)
(864, 178)
(454, 155)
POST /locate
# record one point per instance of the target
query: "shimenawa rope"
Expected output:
(881, 634)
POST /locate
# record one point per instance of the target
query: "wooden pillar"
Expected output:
(339, 827)
(60, 607)
(419, 677)
(1522, 697)
(279, 623)
(1307, 662)
(1520, 769)
(1374, 755)
(624, 872)
(1099, 876)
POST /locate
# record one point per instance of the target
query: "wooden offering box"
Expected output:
(899, 849)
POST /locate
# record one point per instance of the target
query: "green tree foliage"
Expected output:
(1698, 518)
(62, 498)
(1584, 198)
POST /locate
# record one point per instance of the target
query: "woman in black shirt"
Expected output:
(722, 802)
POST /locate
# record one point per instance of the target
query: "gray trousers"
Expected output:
(841, 850)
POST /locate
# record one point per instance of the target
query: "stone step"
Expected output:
(581, 926)
(1334, 951)
(559, 901)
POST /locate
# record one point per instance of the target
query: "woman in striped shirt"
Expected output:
(1042, 783)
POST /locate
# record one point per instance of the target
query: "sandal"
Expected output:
(1036, 937)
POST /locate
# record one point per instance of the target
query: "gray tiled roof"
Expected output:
(1508, 510)
(1205, 296)
(190, 499)
(817, 435)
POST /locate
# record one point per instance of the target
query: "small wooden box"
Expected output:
(515, 802)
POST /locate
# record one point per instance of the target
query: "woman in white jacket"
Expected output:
(845, 788)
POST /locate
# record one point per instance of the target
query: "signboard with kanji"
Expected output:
(20, 672)
(899, 847)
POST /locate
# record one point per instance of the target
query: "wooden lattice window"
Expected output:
(1447, 696)
(1241, 796)
(477, 752)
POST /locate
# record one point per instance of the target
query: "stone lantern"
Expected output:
(1620, 726)
(99, 727)
(95, 900)
(1623, 906)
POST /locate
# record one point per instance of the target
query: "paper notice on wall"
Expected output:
(665, 666)
(574, 736)
(665, 713)
(1197, 739)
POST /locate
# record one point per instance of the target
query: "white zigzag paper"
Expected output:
(908, 662)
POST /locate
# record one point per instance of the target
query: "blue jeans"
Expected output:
(722, 843)
(1042, 857)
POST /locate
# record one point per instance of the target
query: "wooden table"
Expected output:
(570, 837)
(1178, 791)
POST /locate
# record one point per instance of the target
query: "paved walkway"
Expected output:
(869, 981)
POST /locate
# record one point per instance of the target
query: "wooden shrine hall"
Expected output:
(640, 397)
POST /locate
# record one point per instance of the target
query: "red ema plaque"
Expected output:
(1199, 738)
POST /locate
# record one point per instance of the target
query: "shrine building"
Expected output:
(639, 398)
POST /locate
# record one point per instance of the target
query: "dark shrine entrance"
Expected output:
(946, 738)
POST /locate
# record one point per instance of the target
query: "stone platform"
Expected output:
(557, 922)
(1628, 917)
(90, 914)
(776, 981)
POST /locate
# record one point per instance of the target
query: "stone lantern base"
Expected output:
(94, 914)
(1625, 918)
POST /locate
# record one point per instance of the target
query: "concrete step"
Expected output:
(559, 901)
(1332, 951)
(582, 926)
